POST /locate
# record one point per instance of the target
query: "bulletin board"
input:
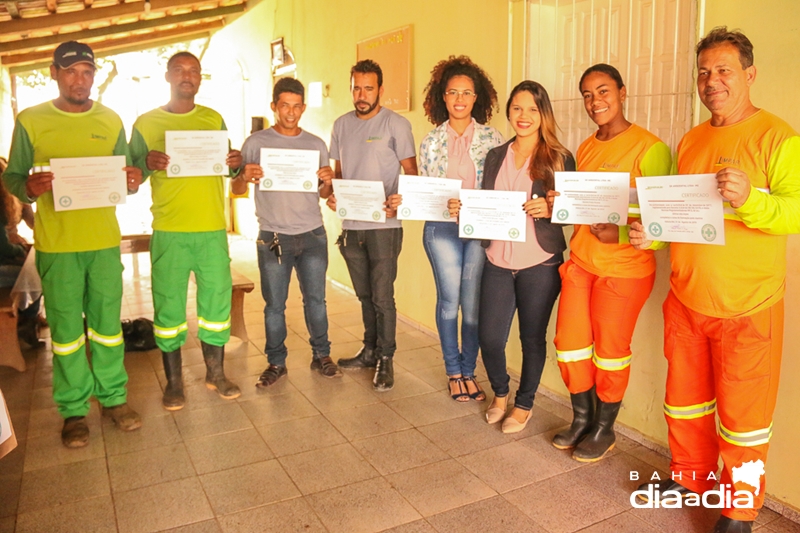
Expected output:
(392, 51)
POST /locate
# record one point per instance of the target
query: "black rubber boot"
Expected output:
(214, 357)
(582, 417)
(600, 439)
(729, 525)
(384, 374)
(365, 358)
(173, 395)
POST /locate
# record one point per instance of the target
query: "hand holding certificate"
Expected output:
(360, 200)
(493, 215)
(88, 182)
(196, 153)
(591, 197)
(425, 198)
(682, 208)
(289, 170)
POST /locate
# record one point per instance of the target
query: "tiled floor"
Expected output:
(311, 454)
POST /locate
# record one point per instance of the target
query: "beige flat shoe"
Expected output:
(495, 413)
(511, 425)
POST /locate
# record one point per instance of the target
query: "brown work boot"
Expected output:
(123, 416)
(75, 433)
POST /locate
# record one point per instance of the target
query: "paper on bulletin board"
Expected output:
(7, 439)
(392, 51)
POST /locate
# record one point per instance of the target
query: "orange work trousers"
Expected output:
(730, 366)
(596, 319)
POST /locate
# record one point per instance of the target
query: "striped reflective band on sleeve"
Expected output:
(70, 347)
(213, 326)
(611, 365)
(169, 333)
(689, 412)
(573, 356)
(105, 340)
(730, 213)
(633, 203)
(746, 439)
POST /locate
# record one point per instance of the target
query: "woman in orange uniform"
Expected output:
(606, 281)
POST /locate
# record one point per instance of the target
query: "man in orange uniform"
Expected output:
(724, 313)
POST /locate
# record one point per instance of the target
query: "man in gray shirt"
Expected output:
(291, 235)
(372, 143)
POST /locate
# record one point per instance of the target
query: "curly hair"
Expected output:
(485, 103)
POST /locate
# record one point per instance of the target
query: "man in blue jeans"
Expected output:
(291, 233)
(372, 143)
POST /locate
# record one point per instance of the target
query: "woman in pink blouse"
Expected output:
(522, 276)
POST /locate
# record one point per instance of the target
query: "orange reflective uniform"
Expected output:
(605, 286)
(724, 315)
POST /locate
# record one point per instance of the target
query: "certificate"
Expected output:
(425, 198)
(289, 170)
(682, 208)
(88, 182)
(494, 215)
(591, 197)
(196, 153)
(360, 200)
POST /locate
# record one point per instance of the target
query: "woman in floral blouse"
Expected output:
(459, 99)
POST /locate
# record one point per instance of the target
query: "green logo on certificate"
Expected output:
(113, 198)
(217, 169)
(174, 169)
(405, 211)
(562, 214)
(267, 183)
(513, 233)
(65, 201)
(468, 230)
(376, 215)
(613, 218)
(307, 185)
(446, 214)
(654, 229)
(342, 212)
(709, 233)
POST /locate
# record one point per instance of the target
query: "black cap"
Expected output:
(71, 52)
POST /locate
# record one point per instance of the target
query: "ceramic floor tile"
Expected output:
(431, 408)
(464, 435)
(164, 506)
(227, 450)
(419, 358)
(343, 396)
(209, 526)
(211, 421)
(399, 451)
(149, 467)
(439, 487)
(248, 486)
(8, 524)
(367, 421)
(57, 485)
(368, 506)
(95, 515)
(783, 525)
(343, 465)
(419, 526)
(509, 466)
(47, 450)
(493, 514)
(278, 408)
(291, 516)
(301, 435)
(155, 432)
(10, 487)
(621, 523)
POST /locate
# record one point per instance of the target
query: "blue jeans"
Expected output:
(531, 292)
(457, 268)
(307, 253)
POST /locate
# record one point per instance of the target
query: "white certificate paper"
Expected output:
(591, 197)
(289, 170)
(196, 153)
(682, 208)
(493, 215)
(360, 200)
(88, 182)
(425, 198)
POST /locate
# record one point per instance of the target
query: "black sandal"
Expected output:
(463, 394)
(479, 395)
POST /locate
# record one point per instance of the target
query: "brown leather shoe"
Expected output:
(75, 433)
(123, 416)
(326, 367)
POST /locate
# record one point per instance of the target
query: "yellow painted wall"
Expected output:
(6, 113)
(322, 36)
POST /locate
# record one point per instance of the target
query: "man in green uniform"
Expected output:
(77, 251)
(189, 234)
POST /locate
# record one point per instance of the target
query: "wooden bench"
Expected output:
(10, 353)
(133, 244)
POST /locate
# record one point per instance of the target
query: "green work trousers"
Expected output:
(75, 285)
(174, 256)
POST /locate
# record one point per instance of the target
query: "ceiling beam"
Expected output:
(55, 40)
(141, 41)
(12, 8)
(22, 26)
